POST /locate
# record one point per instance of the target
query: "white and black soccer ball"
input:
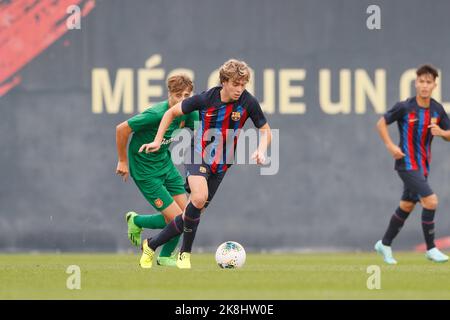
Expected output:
(230, 255)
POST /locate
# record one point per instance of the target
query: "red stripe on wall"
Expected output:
(27, 28)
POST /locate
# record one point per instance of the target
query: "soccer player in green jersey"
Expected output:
(154, 173)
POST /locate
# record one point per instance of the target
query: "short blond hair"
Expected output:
(179, 82)
(234, 70)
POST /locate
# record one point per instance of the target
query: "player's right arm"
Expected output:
(166, 120)
(123, 132)
(392, 115)
(393, 149)
(184, 107)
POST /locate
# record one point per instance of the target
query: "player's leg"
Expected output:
(149, 188)
(175, 186)
(407, 203)
(199, 195)
(397, 221)
(418, 183)
(167, 255)
(197, 188)
(181, 200)
(214, 182)
(430, 204)
(399, 217)
(196, 185)
(177, 225)
(173, 229)
(163, 201)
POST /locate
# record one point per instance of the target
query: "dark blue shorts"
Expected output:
(213, 179)
(415, 185)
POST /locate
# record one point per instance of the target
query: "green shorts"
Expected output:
(159, 191)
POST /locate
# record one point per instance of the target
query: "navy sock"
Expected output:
(174, 228)
(428, 227)
(191, 221)
(396, 223)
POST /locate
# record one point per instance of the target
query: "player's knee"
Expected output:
(430, 202)
(169, 217)
(199, 200)
(407, 206)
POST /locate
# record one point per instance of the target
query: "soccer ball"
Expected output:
(230, 255)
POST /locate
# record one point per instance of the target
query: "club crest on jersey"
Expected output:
(434, 120)
(202, 169)
(159, 203)
(235, 116)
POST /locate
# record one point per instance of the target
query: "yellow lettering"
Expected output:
(102, 91)
(288, 91)
(344, 103)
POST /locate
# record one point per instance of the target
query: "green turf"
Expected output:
(265, 276)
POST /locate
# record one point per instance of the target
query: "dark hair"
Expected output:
(427, 69)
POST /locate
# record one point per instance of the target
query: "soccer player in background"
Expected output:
(419, 119)
(222, 108)
(155, 174)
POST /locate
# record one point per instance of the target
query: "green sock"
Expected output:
(150, 221)
(168, 248)
(156, 221)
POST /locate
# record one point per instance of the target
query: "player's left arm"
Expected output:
(443, 129)
(265, 138)
(166, 120)
(439, 132)
(265, 134)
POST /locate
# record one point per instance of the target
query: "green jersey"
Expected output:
(145, 126)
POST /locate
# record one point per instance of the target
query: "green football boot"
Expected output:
(167, 261)
(134, 232)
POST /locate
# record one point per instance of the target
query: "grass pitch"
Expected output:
(264, 276)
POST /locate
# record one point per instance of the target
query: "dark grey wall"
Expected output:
(336, 187)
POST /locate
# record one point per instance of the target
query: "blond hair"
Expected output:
(234, 70)
(179, 82)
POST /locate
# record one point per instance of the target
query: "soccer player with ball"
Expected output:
(155, 174)
(419, 119)
(221, 108)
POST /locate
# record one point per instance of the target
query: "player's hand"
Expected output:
(258, 156)
(122, 169)
(435, 130)
(150, 147)
(396, 151)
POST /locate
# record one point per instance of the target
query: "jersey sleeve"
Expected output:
(444, 123)
(193, 103)
(395, 113)
(144, 120)
(256, 113)
(191, 120)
